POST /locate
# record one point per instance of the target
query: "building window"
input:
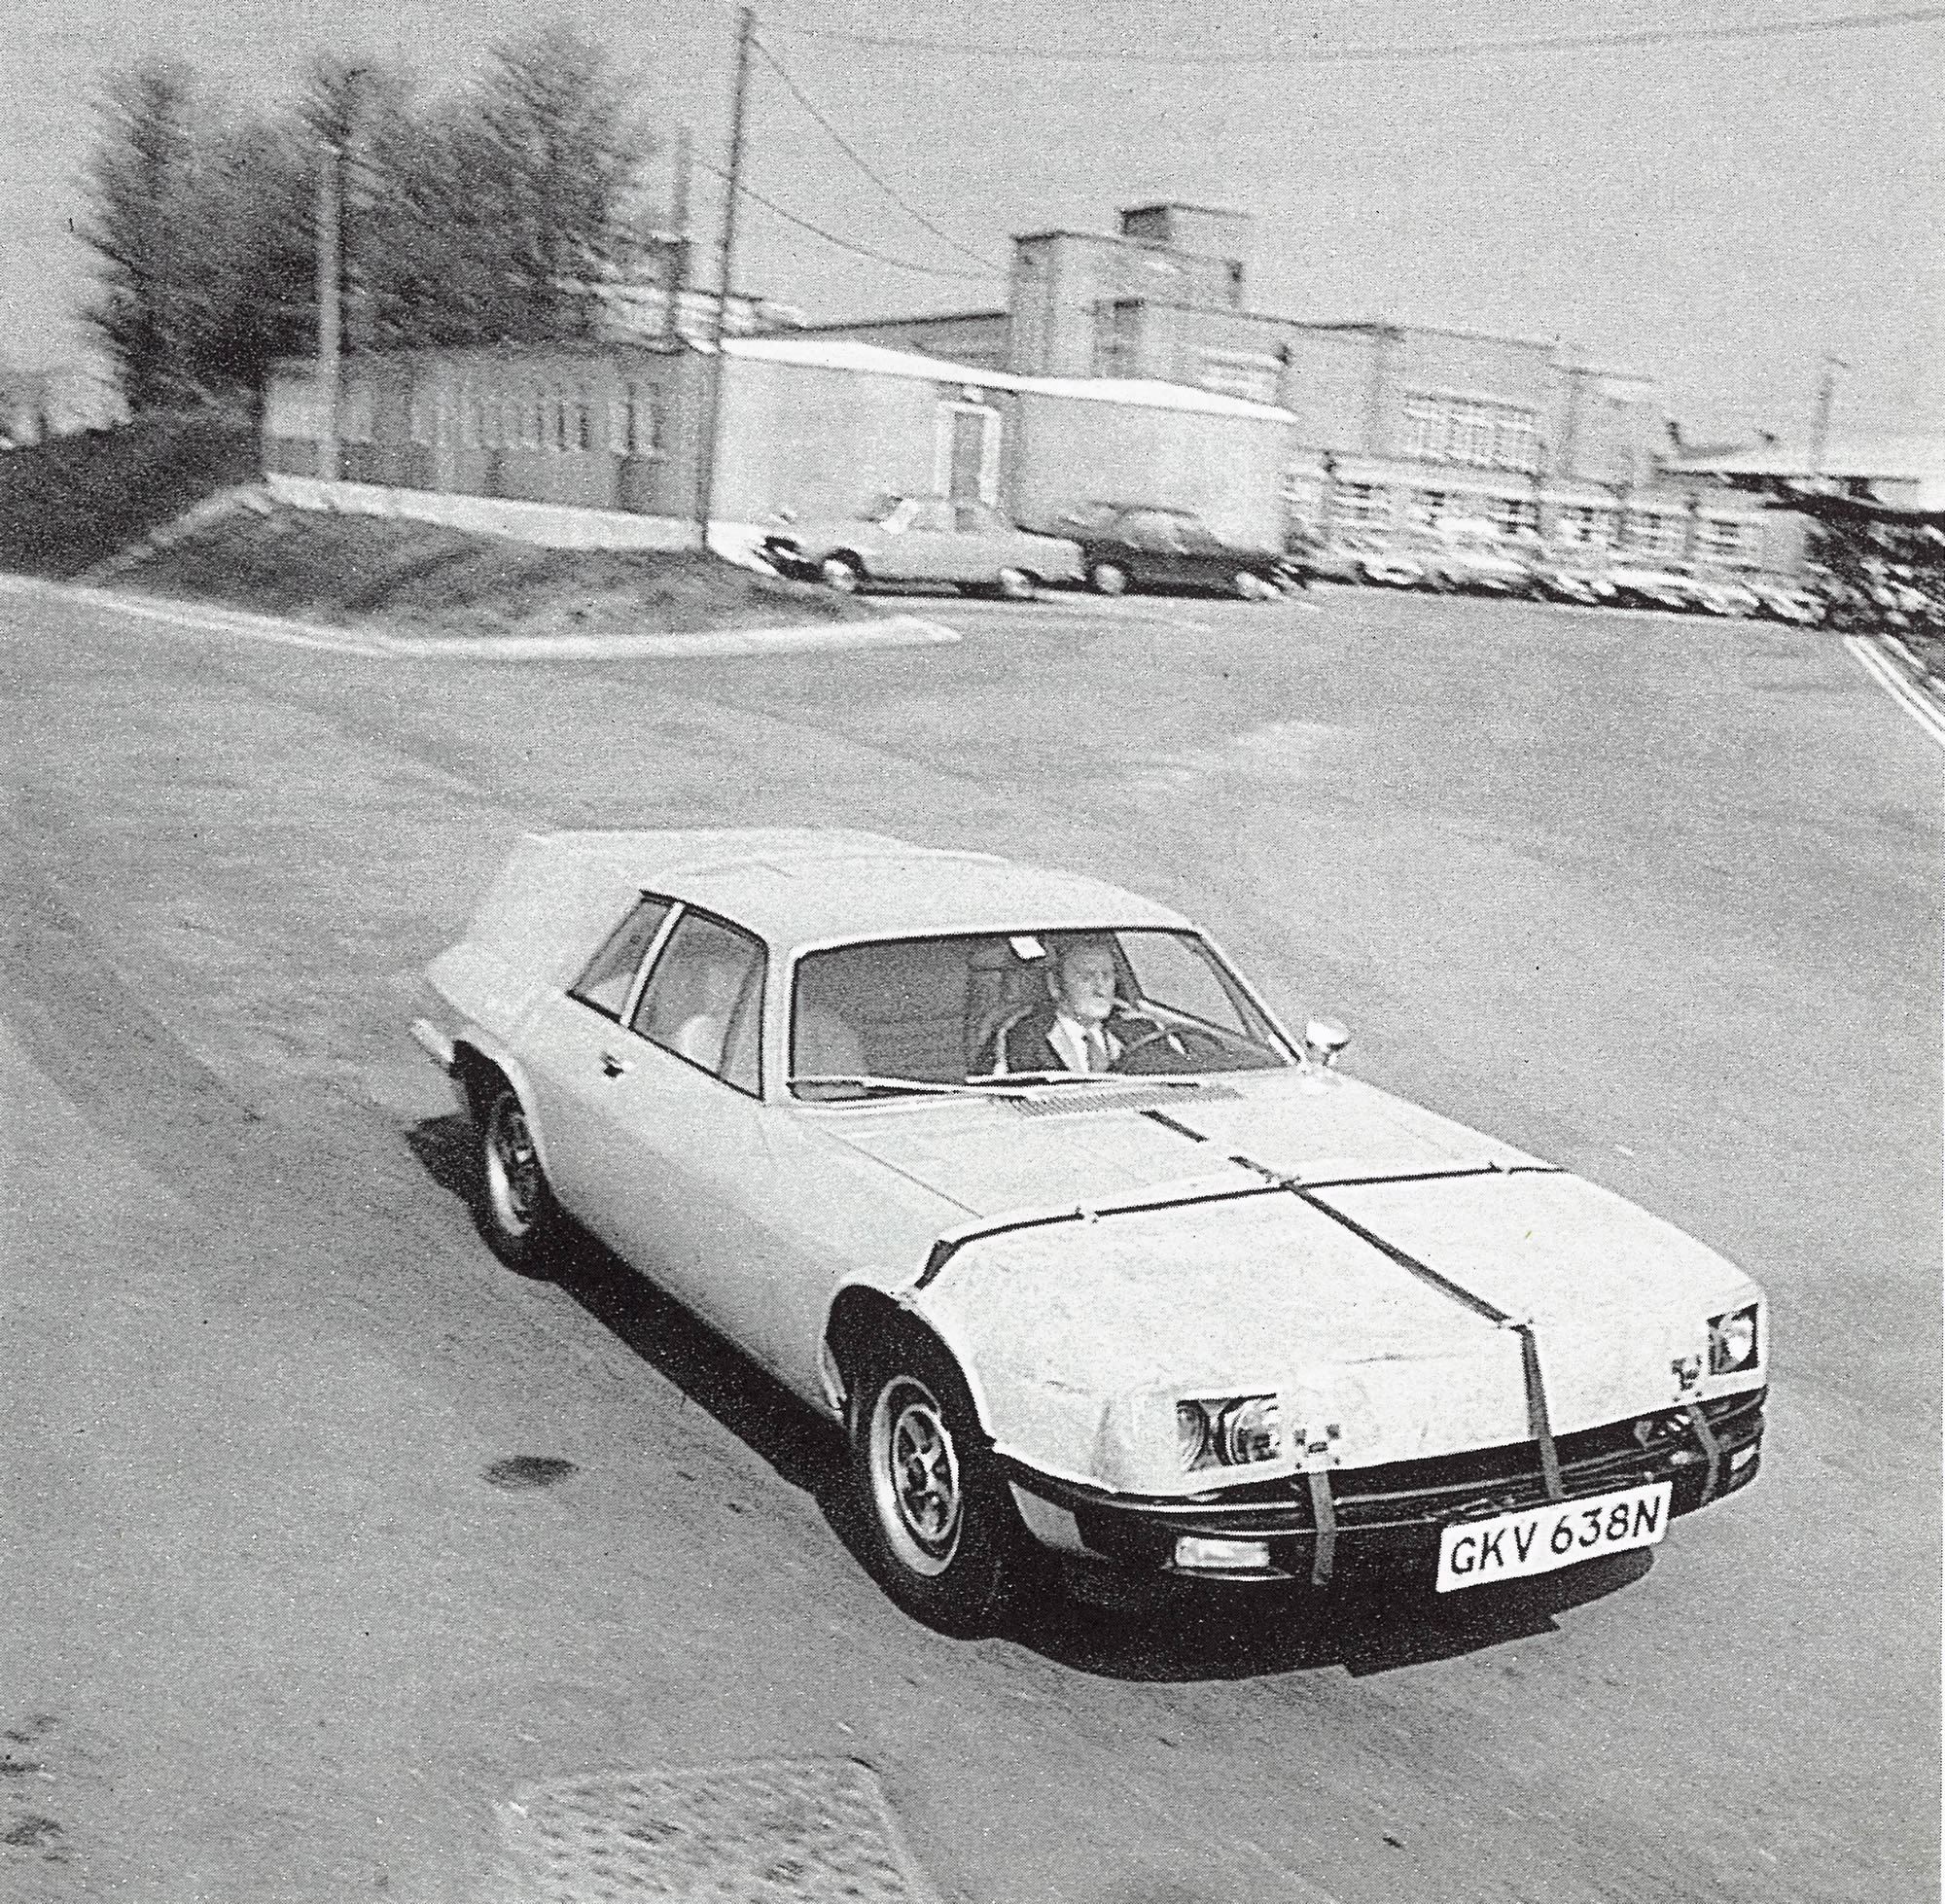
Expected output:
(1359, 502)
(1722, 541)
(1653, 534)
(1117, 339)
(635, 420)
(1460, 430)
(425, 416)
(1580, 527)
(357, 415)
(1514, 515)
(1423, 507)
(1241, 373)
(583, 418)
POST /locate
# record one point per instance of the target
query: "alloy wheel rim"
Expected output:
(915, 1478)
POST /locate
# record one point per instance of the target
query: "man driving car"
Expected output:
(1070, 1032)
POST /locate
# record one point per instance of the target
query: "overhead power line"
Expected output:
(1652, 36)
(851, 152)
(847, 244)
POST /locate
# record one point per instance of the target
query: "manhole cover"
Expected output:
(809, 1831)
(529, 1472)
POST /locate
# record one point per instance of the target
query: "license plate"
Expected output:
(1542, 1539)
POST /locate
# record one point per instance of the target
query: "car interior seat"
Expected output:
(904, 1003)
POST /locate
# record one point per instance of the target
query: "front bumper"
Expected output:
(1385, 1522)
(790, 561)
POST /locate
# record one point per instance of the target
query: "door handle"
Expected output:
(612, 1066)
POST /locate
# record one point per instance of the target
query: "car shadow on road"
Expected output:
(1239, 1631)
(1154, 1632)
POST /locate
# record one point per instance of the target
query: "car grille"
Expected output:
(1077, 1101)
(1404, 1504)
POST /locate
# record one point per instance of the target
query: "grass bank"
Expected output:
(418, 578)
(70, 503)
(69, 506)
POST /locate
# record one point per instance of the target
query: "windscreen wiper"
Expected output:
(901, 1086)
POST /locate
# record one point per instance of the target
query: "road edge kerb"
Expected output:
(885, 631)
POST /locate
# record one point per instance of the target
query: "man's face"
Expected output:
(1084, 983)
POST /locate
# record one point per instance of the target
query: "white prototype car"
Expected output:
(1198, 1304)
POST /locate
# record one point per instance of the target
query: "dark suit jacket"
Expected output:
(1026, 1044)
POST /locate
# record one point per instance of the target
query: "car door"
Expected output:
(574, 1049)
(1155, 547)
(929, 548)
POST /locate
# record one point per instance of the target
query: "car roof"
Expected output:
(800, 885)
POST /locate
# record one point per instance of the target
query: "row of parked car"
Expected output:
(1112, 547)
(1108, 548)
(1583, 578)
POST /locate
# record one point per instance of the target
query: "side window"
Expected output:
(605, 984)
(703, 1000)
(932, 518)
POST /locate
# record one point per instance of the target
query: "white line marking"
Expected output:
(1886, 676)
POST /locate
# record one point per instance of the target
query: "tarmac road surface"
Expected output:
(288, 1608)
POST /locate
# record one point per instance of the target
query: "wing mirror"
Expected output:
(1323, 1038)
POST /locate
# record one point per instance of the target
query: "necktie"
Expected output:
(1097, 1049)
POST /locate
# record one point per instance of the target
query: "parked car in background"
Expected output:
(1210, 1310)
(1356, 555)
(1472, 559)
(1642, 582)
(923, 538)
(1776, 601)
(1723, 595)
(1127, 546)
(1571, 576)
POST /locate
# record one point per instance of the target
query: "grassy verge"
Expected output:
(418, 578)
(70, 503)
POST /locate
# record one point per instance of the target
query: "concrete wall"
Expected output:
(1071, 450)
(820, 442)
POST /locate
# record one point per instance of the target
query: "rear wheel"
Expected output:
(1252, 587)
(515, 1206)
(1108, 578)
(842, 573)
(946, 1540)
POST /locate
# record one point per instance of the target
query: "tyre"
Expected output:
(945, 1540)
(514, 1207)
(1252, 587)
(1016, 586)
(842, 573)
(1108, 578)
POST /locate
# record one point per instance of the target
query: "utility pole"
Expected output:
(329, 196)
(1826, 399)
(705, 487)
(330, 268)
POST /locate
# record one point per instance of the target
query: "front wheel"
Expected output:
(515, 1206)
(1108, 578)
(841, 573)
(1016, 586)
(1253, 588)
(946, 1540)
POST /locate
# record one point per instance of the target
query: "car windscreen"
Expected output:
(967, 1010)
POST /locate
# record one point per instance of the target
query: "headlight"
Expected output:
(1227, 1433)
(1732, 1341)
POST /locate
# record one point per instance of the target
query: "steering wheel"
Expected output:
(1165, 1048)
